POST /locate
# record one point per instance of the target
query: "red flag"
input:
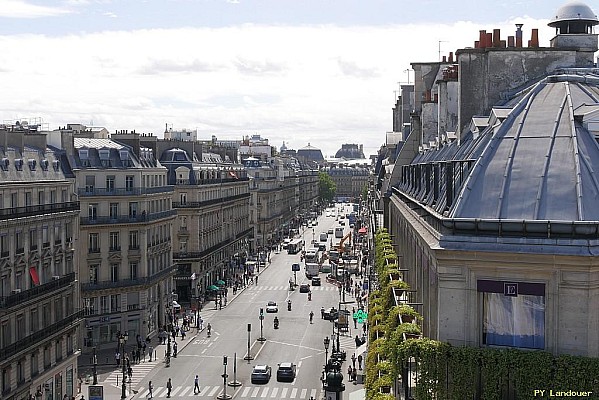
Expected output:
(34, 277)
(233, 175)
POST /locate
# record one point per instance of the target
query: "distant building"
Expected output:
(310, 153)
(350, 152)
(184, 134)
(350, 181)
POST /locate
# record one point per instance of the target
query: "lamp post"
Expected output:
(261, 338)
(95, 362)
(327, 341)
(224, 395)
(122, 340)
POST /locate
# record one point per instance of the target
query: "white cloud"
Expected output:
(286, 83)
(23, 9)
(110, 14)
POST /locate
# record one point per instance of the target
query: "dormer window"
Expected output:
(19, 164)
(104, 157)
(4, 164)
(56, 164)
(44, 164)
(83, 154)
(32, 163)
(124, 156)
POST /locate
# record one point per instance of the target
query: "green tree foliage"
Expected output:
(327, 187)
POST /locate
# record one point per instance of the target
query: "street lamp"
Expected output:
(261, 338)
(122, 340)
(224, 395)
(95, 361)
(327, 341)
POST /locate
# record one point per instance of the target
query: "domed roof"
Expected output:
(574, 11)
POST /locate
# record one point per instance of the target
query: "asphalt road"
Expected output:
(296, 341)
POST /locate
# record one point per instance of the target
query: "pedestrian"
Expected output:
(196, 385)
(201, 323)
(353, 361)
(150, 388)
(182, 335)
(130, 373)
(169, 387)
(349, 371)
(322, 312)
(150, 351)
(358, 341)
(117, 358)
(360, 362)
(364, 327)
(354, 375)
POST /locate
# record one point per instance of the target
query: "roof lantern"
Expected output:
(574, 17)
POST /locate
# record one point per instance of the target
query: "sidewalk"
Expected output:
(107, 369)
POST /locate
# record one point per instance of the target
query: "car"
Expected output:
(272, 307)
(315, 281)
(330, 231)
(322, 247)
(331, 314)
(286, 372)
(342, 223)
(304, 288)
(261, 374)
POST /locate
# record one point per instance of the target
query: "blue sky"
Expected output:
(303, 71)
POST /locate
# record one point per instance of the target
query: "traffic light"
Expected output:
(261, 311)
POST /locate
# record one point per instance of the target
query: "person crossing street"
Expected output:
(196, 385)
(169, 387)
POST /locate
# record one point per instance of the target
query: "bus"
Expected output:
(311, 256)
(295, 246)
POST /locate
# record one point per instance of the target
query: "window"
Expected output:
(20, 371)
(133, 240)
(19, 243)
(132, 209)
(183, 198)
(4, 252)
(33, 239)
(90, 183)
(46, 316)
(110, 183)
(58, 350)
(20, 328)
(41, 197)
(90, 306)
(5, 380)
(513, 314)
(129, 183)
(34, 320)
(133, 270)
(93, 273)
(58, 314)
(32, 163)
(114, 272)
(14, 200)
(115, 303)
(47, 357)
(104, 158)
(45, 237)
(92, 212)
(114, 210)
(6, 338)
(115, 244)
(35, 369)
(94, 243)
(28, 200)
(104, 309)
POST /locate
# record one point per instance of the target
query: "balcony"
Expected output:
(198, 204)
(32, 211)
(34, 292)
(199, 254)
(38, 338)
(126, 219)
(134, 191)
(142, 281)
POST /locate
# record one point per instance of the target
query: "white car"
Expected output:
(272, 307)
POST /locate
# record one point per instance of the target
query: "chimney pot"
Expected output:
(496, 37)
(510, 41)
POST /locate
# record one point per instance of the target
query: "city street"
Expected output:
(296, 340)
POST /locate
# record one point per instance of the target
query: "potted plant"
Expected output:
(408, 314)
(410, 331)
(398, 287)
(383, 383)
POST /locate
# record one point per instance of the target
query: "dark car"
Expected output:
(316, 281)
(304, 288)
(331, 314)
(322, 247)
(261, 374)
(286, 372)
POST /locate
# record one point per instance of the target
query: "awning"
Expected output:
(362, 230)
(34, 277)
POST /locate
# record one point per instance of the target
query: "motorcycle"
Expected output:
(276, 323)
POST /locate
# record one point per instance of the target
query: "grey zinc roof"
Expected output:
(541, 163)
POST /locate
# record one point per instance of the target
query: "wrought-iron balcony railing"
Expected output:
(133, 191)
(185, 255)
(127, 219)
(36, 291)
(141, 281)
(198, 204)
(37, 338)
(30, 211)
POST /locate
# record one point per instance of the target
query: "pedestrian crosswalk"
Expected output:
(327, 288)
(242, 392)
(139, 373)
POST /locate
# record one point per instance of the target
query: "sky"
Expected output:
(318, 72)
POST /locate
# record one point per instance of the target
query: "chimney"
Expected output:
(476, 44)
(444, 59)
(496, 37)
(511, 42)
(519, 35)
(482, 39)
(489, 41)
(451, 57)
(534, 39)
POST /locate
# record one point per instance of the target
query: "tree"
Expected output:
(327, 188)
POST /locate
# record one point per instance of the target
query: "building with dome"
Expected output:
(310, 154)
(350, 152)
(496, 226)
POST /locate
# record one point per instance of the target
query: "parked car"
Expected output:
(272, 307)
(316, 281)
(322, 247)
(286, 372)
(330, 231)
(331, 314)
(261, 374)
(304, 288)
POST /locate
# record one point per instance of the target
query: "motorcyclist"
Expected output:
(209, 328)
(289, 305)
(276, 323)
